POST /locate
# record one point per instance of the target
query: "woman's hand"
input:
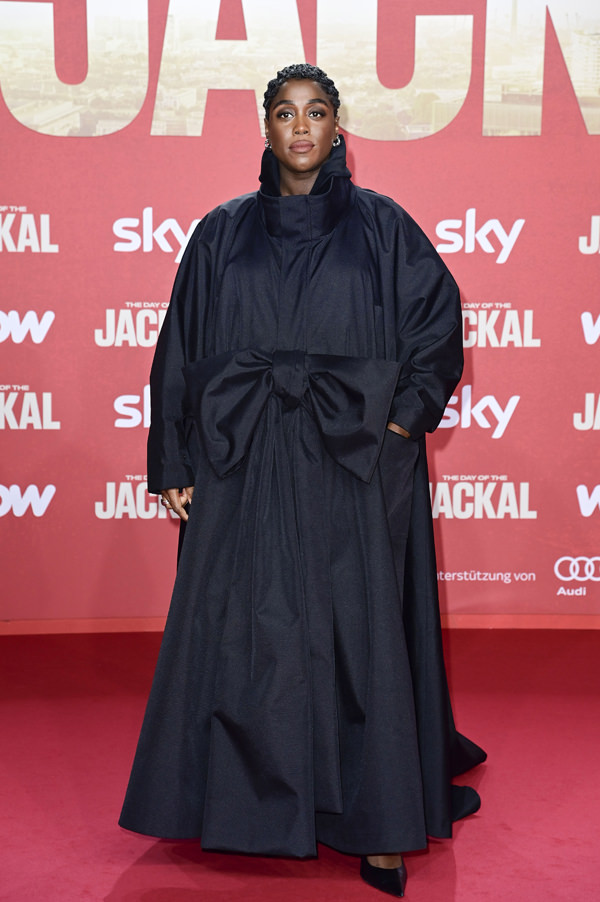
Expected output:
(175, 500)
(393, 427)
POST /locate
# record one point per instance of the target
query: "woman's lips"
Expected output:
(301, 146)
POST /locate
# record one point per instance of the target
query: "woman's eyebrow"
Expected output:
(293, 103)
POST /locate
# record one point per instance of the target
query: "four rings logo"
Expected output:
(578, 569)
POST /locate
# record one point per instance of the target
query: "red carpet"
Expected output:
(71, 710)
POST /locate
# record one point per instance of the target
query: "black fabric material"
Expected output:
(300, 693)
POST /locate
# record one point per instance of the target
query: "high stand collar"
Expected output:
(306, 216)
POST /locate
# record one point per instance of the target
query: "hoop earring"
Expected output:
(267, 144)
(337, 141)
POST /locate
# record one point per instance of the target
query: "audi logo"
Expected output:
(578, 569)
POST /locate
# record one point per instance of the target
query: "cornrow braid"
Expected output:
(301, 71)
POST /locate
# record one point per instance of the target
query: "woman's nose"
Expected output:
(301, 128)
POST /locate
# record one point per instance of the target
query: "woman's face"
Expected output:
(301, 127)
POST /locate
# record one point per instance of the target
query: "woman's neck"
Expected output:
(296, 183)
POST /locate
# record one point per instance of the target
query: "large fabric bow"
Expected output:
(349, 398)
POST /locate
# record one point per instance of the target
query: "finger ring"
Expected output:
(166, 503)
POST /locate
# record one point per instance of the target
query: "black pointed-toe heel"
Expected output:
(388, 880)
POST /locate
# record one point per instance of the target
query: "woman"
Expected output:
(300, 694)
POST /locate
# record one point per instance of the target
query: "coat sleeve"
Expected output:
(428, 332)
(172, 438)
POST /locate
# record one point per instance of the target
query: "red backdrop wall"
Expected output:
(122, 124)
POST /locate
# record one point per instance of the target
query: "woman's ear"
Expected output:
(266, 128)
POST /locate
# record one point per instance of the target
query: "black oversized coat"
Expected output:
(300, 693)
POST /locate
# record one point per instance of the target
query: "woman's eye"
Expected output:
(284, 114)
(316, 113)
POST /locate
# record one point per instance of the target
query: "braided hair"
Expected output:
(301, 71)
